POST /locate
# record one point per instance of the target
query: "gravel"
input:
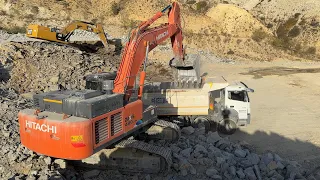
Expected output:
(241, 174)
(250, 173)
(211, 172)
(91, 174)
(15, 157)
(267, 158)
(223, 159)
(212, 138)
(40, 66)
(240, 153)
(60, 163)
(188, 130)
(186, 152)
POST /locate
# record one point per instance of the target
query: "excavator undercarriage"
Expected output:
(136, 155)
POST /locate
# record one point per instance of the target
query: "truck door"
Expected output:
(248, 106)
(238, 100)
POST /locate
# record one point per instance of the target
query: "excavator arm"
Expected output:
(86, 26)
(143, 40)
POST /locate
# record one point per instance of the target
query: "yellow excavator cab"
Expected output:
(32, 30)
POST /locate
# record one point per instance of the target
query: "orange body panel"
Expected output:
(132, 113)
(53, 138)
(72, 138)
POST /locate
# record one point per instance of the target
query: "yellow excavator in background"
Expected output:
(63, 35)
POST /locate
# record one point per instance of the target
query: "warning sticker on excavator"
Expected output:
(76, 138)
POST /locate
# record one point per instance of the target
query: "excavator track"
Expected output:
(164, 130)
(135, 156)
(163, 152)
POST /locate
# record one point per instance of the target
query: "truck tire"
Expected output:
(201, 119)
(227, 126)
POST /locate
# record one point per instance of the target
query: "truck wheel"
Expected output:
(196, 123)
(227, 126)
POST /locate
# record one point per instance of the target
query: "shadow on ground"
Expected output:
(305, 153)
(4, 77)
(98, 47)
(4, 74)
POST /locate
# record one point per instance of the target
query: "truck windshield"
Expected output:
(237, 95)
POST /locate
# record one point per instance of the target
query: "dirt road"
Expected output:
(284, 107)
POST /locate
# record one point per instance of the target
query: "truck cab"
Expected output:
(231, 107)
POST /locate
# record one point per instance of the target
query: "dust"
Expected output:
(280, 71)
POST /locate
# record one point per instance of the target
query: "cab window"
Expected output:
(237, 95)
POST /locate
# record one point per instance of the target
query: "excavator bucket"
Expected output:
(187, 72)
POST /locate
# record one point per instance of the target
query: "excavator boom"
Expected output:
(135, 50)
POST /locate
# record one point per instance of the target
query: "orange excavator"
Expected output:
(96, 126)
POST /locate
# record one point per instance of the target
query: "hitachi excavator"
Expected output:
(63, 35)
(99, 125)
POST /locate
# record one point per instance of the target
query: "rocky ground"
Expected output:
(40, 66)
(196, 156)
(238, 29)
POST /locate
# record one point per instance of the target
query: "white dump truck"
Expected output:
(216, 103)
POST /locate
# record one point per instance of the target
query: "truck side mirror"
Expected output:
(249, 90)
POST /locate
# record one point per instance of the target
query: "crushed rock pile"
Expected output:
(15, 158)
(35, 67)
(208, 156)
(41, 66)
(200, 155)
(197, 155)
(6, 37)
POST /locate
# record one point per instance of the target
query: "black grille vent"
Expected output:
(36, 102)
(116, 125)
(101, 130)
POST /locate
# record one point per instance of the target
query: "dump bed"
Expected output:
(171, 100)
